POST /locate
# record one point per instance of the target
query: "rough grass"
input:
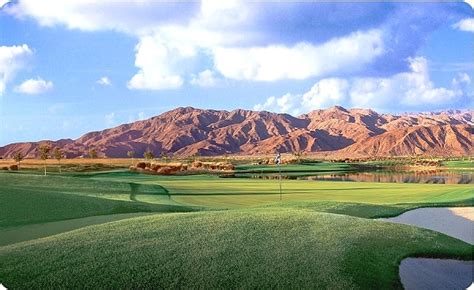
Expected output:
(253, 248)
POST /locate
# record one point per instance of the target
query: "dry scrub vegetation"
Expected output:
(171, 168)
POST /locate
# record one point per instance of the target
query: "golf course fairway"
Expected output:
(209, 232)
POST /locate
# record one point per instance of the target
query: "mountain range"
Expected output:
(336, 131)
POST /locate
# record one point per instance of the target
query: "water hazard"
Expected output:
(433, 177)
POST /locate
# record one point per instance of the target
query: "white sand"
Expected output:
(465, 212)
(457, 222)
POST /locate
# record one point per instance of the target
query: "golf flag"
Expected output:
(278, 159)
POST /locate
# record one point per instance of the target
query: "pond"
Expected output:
(435, 176)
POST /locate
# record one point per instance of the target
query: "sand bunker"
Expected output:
(421, 273)
(465, 212)
(457, 222)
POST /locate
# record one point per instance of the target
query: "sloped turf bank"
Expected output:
(23, 206)
(364, 210)
(260, 247)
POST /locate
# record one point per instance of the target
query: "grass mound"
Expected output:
(363, 210)
(253, 248)
(29, 199)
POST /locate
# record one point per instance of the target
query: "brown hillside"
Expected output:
(188, 131)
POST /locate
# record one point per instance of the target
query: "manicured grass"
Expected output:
(459, 164)
(304, 167)
(73, 196)
(252, 248)
(28, 199)
(212, 191)
(223, 192)
(11, 235)
(319, 236)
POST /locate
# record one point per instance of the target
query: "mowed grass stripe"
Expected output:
(250, 192)
(26, 199)
(212, 191)
(17, 234)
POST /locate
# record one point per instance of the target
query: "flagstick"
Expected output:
(278, 163)
(279, 169)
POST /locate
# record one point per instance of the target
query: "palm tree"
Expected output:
(18, 158)
(148, 154)
(58, 155)
(298, 155)
(44, 154)
(92, 153)
(131, 154)
(163, 156)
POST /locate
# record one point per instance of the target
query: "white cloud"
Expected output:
(326, 92)
(3, 3)
(133, 17)
(268, 105)
(408, 89)
(12, 60)
(169, 42)
(160, 63)
(461, 80)
(470, 3)
(403, 90)
(465, 25)
(34, 86)
(104, 81)
(206, 78)
(141, 116)
(110, 119)
(301, 61)
(138, 117)
(283, 104)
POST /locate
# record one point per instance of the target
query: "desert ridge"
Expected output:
(336, 131)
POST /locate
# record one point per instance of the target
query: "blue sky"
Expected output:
(69, 67)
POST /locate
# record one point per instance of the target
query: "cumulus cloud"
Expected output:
(34, 86)
(245, 40)
(206, 78)
(160, 62)
(137, 117)
(465, 25)
(12, 60)
(138, 16)
(407, 90)
(169, 41)
(283, 104)
(301, 61)
(104, 81)
(325, 93)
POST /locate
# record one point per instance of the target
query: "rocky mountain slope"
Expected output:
(355, 132)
